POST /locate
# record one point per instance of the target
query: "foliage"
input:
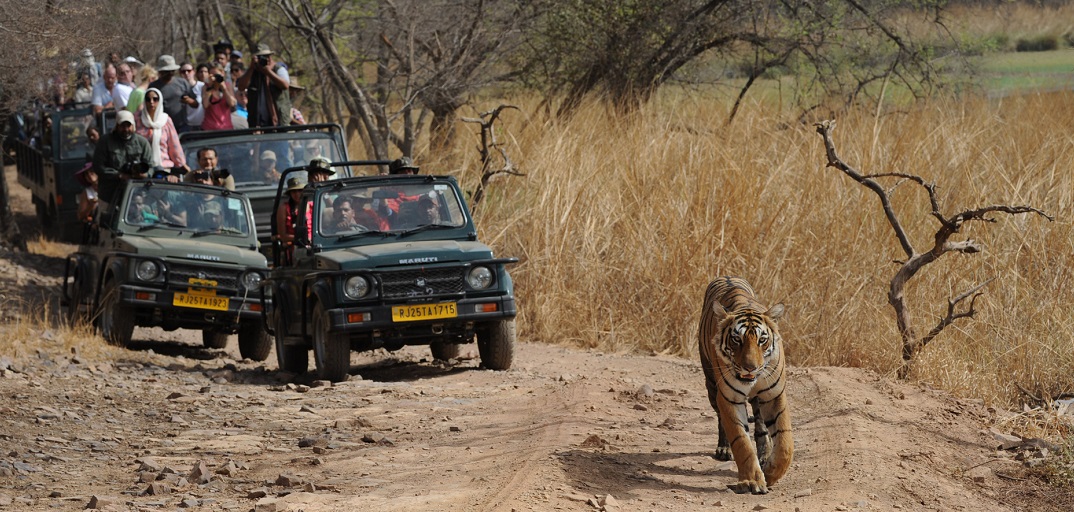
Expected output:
(1040, 43)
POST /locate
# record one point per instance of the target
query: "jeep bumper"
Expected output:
(172, 309)
(385, 321)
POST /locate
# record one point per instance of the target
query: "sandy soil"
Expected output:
(168, 425)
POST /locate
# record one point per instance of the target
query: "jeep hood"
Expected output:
(194, 250)
(427, 252)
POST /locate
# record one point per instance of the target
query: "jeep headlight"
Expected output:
(479, 278)
(355, 287)
(251, 279)
(147, 270)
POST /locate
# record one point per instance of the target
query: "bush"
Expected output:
(1042, 43)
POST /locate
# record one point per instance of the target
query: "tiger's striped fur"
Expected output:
(742, 357)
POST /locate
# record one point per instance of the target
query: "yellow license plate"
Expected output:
(187, 300)
(424, 312)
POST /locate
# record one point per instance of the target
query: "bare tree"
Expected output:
(624, 51)
(488, 145)
(942, 243)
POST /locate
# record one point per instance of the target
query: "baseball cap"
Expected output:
(124, 116)
(320, 164)
(268, 154)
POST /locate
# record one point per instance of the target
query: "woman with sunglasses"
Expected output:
(154, 124)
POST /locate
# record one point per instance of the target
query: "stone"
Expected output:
(200, 474)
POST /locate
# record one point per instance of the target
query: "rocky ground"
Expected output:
(168, 425)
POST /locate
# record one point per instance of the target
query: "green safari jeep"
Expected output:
(175, 256)
(384, 262)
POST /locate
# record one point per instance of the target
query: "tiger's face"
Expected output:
(747, 341)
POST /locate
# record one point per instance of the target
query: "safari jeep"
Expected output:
(176, 256)
(384, 262)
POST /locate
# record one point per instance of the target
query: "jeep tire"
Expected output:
(496, 344)
(116, 320)
(332, 352)
(78, 291)
(254, 342)
(444, 351)
(214, 339)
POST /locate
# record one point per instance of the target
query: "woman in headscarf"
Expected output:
(154, 124)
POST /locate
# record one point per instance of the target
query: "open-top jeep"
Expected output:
(384, 262)
(173, 255)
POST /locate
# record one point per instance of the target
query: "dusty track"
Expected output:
(167, 424)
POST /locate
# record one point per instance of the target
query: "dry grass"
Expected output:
(621, 223)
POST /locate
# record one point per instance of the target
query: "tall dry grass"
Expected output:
(620, 224)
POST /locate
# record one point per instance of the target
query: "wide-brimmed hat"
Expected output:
(167, 63)
(132, 60)
(320, 164)
(401, 164)
(83, 174)
(124, 116)
(295, 183)
(263, 49)
(268, 154)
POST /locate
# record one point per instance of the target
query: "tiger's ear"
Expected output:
(775, 312)
(718, 309)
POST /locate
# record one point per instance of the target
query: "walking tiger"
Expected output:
(742, 358)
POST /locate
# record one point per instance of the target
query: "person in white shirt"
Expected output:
(121, 92)
(195, 77)
(102, 92)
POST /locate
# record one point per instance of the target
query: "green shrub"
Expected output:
(1041, 43)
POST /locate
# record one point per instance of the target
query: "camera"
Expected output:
(218, 78)
(223, 173)
(262, 60)
(135, 167)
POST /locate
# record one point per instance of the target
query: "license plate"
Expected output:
(424, 312)
(188, 300)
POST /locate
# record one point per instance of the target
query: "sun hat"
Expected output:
(320, 164)
(268, 154)
(124, 116)
(263, 49)
(132, 60)
(295, 183)
(167, 63)
(400, 164)
(82, 175)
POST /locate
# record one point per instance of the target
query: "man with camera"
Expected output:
(119, 156)
(208, 173)
(218, 99)
(266, 84)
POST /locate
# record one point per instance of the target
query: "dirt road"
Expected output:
(168, 425)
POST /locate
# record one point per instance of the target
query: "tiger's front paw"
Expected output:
(722, 453)
(749, 486)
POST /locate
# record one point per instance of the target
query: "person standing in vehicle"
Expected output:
(207, 162)
(286, 216)
(116, 153)
(155, 124)
(177, 93)
(266, 83)
(218, 100)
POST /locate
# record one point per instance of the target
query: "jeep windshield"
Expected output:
(356, 210)
(196, 209)
(257, 160)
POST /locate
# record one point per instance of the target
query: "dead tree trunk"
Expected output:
(915, 261)
(488, 145)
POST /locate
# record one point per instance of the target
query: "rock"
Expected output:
(288, 480)
(147, 476)
(645, 391)
(1006, 441)
(200, 474)
(803, 493)
(309, 441)
(268, 505)
(229, 469)
(256, 494)
(98, 502)
(608, 503)
(321, 384)
(980, 474)
(189, 503)
(157, 489)
(640, 407)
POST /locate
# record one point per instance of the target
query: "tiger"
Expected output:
(742, 358)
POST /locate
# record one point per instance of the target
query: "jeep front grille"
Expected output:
(422, 282)
(181, 274)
